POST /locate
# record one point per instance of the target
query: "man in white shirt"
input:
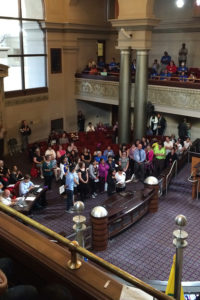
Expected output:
(168, 145)
(6, 198)
(120, 177)
(90, 127)
(187, 143)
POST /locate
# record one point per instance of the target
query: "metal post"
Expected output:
(125, 96)
(74, 263)
(180, 243)
(79, 226)
(140, 101)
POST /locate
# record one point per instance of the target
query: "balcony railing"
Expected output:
(181, 98)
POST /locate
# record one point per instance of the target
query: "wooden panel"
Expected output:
(49, 262)
(195, 161)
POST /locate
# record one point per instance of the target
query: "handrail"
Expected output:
(172, 167)
(99, 261)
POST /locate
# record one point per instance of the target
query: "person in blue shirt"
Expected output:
(69, 183)
(183, 77)
(165, 75)
(165, 60)
(101, 64)
(99, 156)
(113, 66)
(25, 186)
(182, 68)
(139, 165)
(108, 152)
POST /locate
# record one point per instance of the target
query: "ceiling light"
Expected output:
(180, 3)
(198, 2)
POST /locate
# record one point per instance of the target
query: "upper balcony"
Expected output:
(173, 97)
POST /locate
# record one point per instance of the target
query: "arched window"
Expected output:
(22, 44)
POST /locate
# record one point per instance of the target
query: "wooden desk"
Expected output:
(124, 209)
(194, 171)
(26, 209)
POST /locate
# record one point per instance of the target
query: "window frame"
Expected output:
(23, 91)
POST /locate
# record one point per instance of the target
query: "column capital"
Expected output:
(3, 71)
(135, 33)
(135, 24)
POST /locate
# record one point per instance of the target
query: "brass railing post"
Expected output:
(180, 243)
(74, 263)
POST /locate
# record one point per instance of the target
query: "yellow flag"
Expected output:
(170, 286)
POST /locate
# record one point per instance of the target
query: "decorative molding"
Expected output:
(96, 90)
(26, 100)
(172, 100)
(176, 100)
(135, 24)
(178, 25)
(77, 28)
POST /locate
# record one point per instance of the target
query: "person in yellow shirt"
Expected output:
(160, 155)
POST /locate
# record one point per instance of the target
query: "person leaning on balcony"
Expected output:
(171, 68)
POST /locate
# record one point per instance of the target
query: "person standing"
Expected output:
(25, 131)
(154, 123)
(47, 168)
(161, 124)
(160, 155)
(165, 60)
(93, 177)
(183, 130)
(120, 177)
(69, 183)
(83, 181)
(103, 173)
(81, 121)
(139, 165)
(2, 135)
(182, 55)
(111, 181)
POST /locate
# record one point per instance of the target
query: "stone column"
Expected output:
(140, 100)
(124, 96)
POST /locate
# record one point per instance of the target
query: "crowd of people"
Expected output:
(86, 174)
(166, 69)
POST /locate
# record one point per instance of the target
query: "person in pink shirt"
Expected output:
(61, 152)
(103, 173)
(149, 160)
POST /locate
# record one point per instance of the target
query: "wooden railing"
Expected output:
(13, 232)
